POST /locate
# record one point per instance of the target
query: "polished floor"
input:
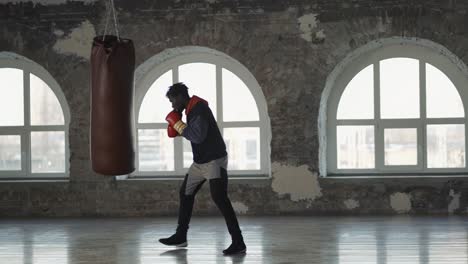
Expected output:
(340, 240)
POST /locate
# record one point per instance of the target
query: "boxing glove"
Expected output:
(174, 120)
(171, 132)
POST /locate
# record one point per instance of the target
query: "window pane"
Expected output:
(188, 155)
(401, 146)
(200, 78)
(399, 76)
(45, 107)
(355, 147)
(235, 94)
(10, 153)
(155, 105)
(155, 150)
(445, 146)
(357, 101)
(443, 99)
(243, 147)
(11, 97)
(48, 152)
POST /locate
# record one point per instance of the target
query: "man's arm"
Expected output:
(197, 130)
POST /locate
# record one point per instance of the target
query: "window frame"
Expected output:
(148, 72)
(424, 51)
(15, 61)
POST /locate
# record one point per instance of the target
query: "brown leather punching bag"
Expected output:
(112, 68)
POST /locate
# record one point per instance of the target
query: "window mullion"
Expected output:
(241, 124)
(466, 140)
(48, 128)
(332, 163)
(175, 74)
(137, 151)
(378, 129)
(422, 148)
(151, 126)
(219, 98)
(26, 136)
(179, 155)
(178, 144)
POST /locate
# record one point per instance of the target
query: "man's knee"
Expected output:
(190, 187)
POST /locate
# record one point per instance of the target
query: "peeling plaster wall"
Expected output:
(78, 42)
(454, 201)
(307, 23)
(290, 49)
(351, 204)
(298, 182)
(239, 207)
(400, 202)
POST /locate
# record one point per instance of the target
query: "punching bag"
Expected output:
(112, 68)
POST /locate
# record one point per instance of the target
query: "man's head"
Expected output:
(178, 96)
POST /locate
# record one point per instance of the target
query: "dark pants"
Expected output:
(218, 188)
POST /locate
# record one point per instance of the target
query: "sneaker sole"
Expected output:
(182, 245)
(175, 245)
(240, 252)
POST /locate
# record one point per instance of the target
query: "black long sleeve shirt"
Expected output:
(203, 133)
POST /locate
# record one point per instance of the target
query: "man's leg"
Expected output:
(218, 188)
(187, 192)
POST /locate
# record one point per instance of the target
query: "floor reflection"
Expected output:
(33, 243)
(177, 255)
(336, 240)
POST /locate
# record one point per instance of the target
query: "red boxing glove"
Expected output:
(171, 132)
(173, 117)
(174, 120)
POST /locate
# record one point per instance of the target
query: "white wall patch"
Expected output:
(454, 203)
(320, 34)
(79, 42)
(306, 25)
(299, 182)
(240, 208)
(351, 204)
(400, 202)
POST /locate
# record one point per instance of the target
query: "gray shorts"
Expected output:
(198, 173)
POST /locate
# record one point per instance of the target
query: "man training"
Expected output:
(209, 163)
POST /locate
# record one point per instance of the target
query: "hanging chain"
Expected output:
(108, 10)
(111, 7)
(115, 20)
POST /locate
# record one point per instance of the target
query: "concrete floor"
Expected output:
(337, 240)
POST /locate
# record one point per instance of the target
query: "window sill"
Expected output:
(396, 176)
(181, 177)
(22, 180)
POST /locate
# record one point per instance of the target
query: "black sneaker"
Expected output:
(175, 240)
(235, 248)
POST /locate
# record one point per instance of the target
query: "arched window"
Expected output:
(34, 120)
(395, 107)
(233, 95)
